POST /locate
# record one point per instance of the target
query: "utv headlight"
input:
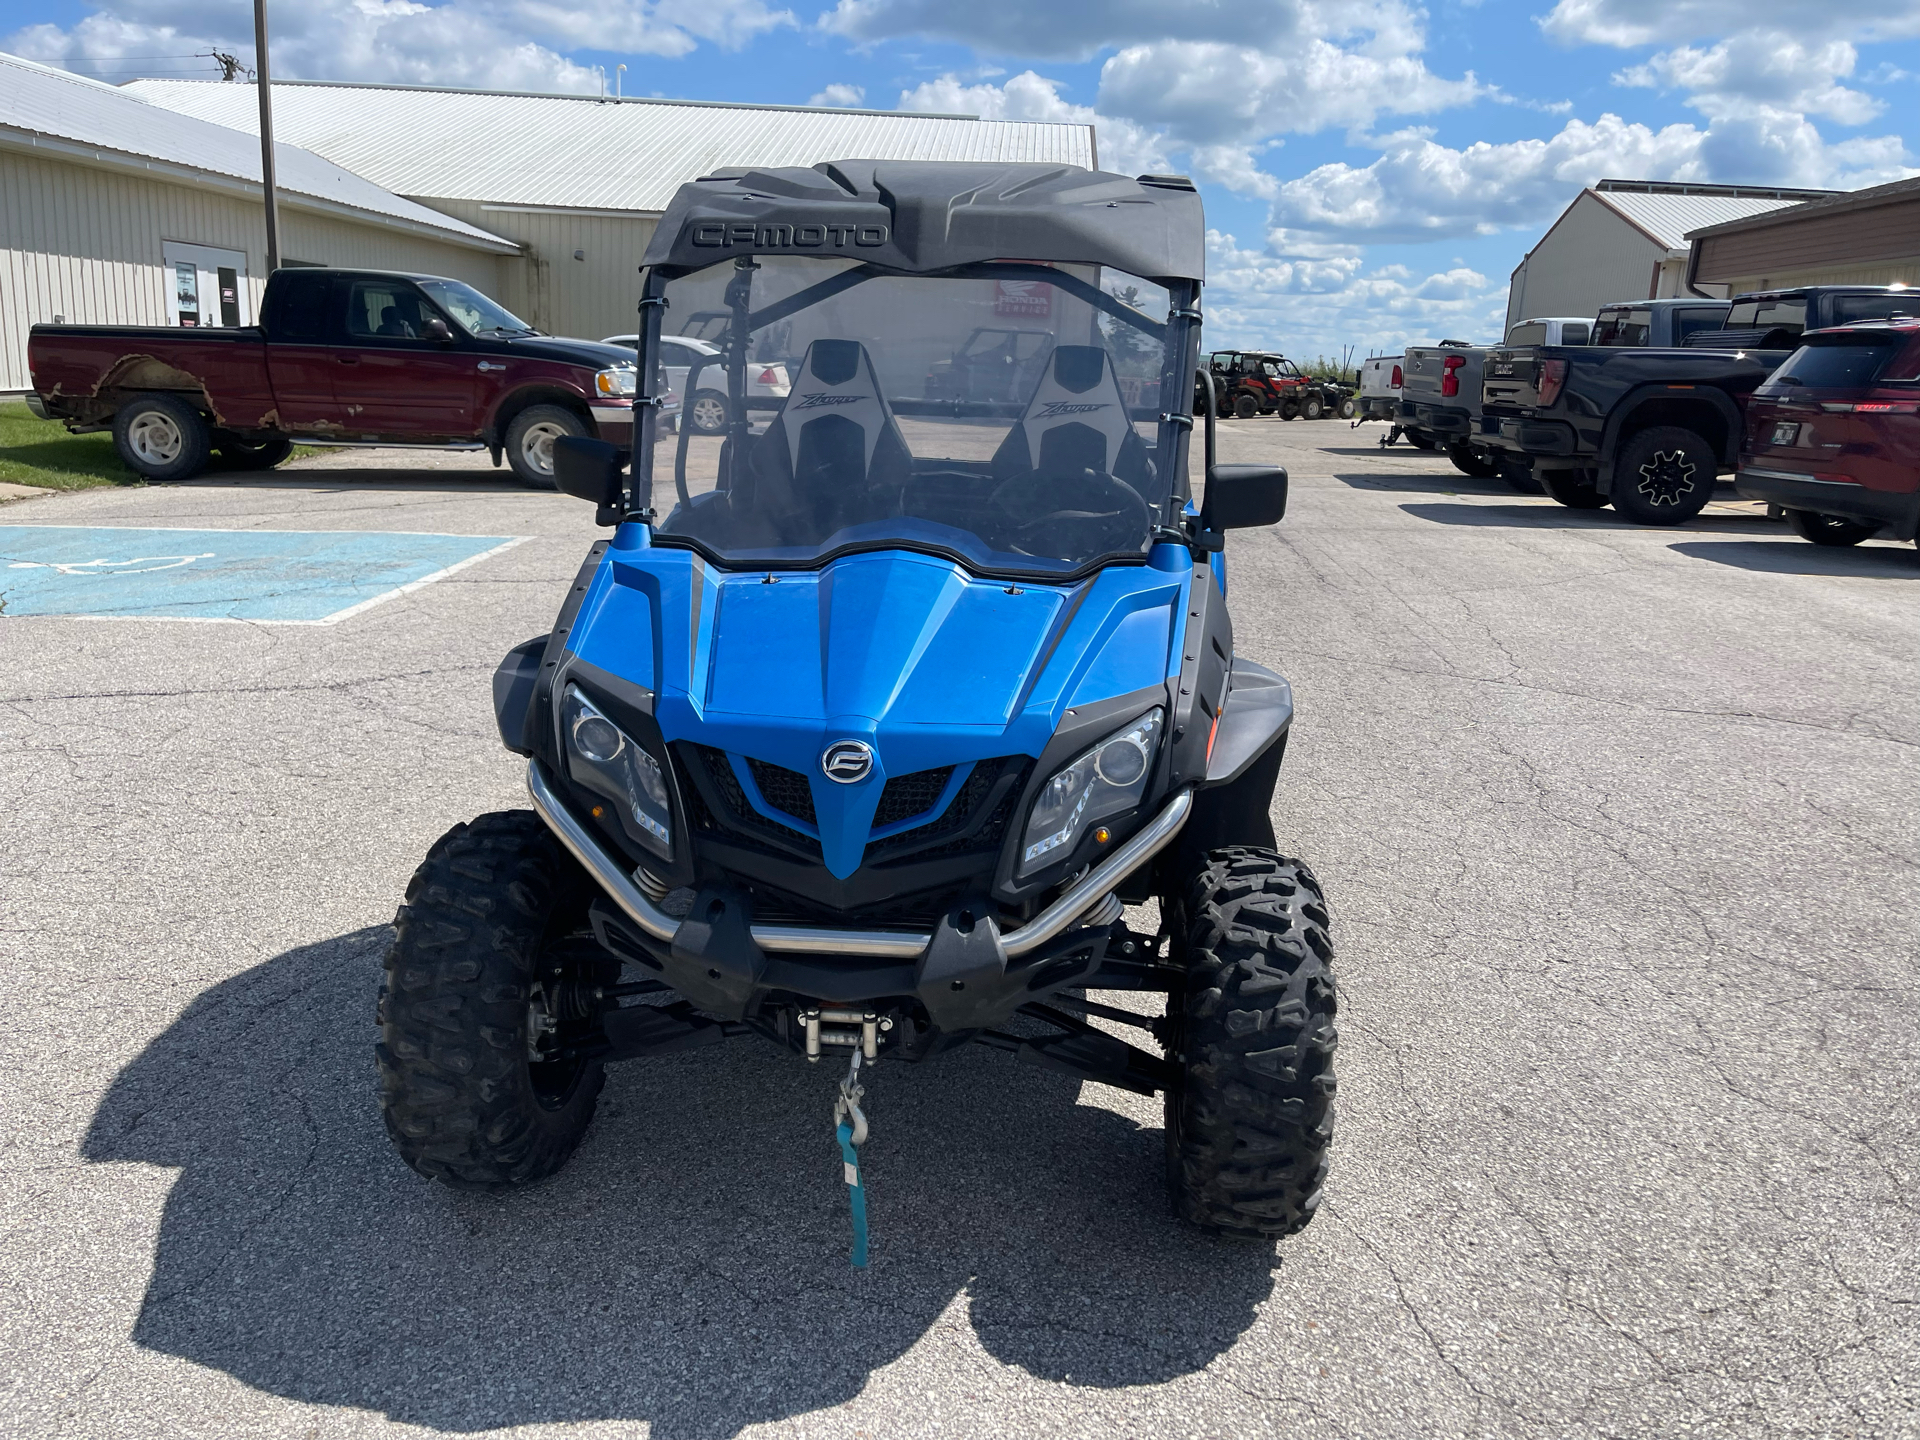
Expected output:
(1108, 779)
(604, 758)
(618, 380)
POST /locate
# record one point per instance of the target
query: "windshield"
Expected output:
(476, 313)
(903, 416)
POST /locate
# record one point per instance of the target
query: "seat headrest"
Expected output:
(836, 378)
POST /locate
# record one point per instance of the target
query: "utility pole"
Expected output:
(265, 85)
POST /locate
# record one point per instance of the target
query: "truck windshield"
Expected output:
(476, 314)
(1037, 454)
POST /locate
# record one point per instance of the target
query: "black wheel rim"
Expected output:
(1667, 478)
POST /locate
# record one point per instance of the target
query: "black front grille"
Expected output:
(965, 826)
(785, 790)
(906, 796)
(720, 804)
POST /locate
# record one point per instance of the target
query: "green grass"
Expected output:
(41, 452)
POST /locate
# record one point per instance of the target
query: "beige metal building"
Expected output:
(113, 211)
(1860, 237)
(580, 181)
(1626, 240)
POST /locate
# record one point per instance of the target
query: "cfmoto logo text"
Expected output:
(789, 237)
(847, 761)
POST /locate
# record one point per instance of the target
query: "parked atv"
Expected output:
(1247, 383)
(866, 724)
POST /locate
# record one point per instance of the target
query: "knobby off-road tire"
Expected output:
(1830, 529)
(491, 915)
(1518, 476)
(1469, 461)
(1250, 1120)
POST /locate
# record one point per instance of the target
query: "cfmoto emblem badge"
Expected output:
(847, 761)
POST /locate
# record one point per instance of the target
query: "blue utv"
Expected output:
(878, 708)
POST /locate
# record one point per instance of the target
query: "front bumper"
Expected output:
(964, 971)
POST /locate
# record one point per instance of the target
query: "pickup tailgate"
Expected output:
(1425, 371)
(1512, 376)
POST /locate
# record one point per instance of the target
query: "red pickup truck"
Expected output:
(341, 357)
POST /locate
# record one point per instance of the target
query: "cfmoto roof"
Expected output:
(923, 217)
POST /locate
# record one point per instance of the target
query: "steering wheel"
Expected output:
(1069, 514)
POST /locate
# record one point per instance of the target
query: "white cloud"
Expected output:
(1419, 189)
(1124, 147)
(1627, 23)
(1065, 30)
(1309, 308)
(505, 44)
(1760, 68)
(845, 96)
(1210, 92)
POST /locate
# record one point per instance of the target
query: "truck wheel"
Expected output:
(1469, 461)
(162, 437)
(1663, 476)
(1251, 1116)
(240, 455)
(708, 413)
(1245, 407)
(492, 976)
(530, 437)
(1830, 529)
(1421, 440)
(1348, 408)
(1312, 409)
(1575, 489)
(1519, 477)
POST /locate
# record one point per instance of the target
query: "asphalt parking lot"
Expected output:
(1617, 829)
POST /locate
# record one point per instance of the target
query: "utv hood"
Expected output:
(925, 664)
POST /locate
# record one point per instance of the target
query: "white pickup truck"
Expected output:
(1380, 378)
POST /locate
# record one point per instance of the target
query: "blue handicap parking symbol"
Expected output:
(287, 577)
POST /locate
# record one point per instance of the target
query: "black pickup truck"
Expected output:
(1651, 430)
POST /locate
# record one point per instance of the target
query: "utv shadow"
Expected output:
(688, 1270)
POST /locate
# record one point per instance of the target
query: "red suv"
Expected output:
(1833, 435)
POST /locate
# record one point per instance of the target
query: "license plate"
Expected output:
(1784, 432)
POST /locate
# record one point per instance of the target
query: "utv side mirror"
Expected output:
(587, 469)
(436, 329)
(1244, 497)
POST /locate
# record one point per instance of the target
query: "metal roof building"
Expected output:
(1860, 237)
(116, 211)
(1626, 240)
(579, 181)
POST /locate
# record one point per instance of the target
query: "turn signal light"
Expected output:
(1397, 381)
(1450, 379)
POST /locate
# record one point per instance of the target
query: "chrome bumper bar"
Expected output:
(1091, 890)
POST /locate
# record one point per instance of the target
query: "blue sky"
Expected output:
(1372, 169)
